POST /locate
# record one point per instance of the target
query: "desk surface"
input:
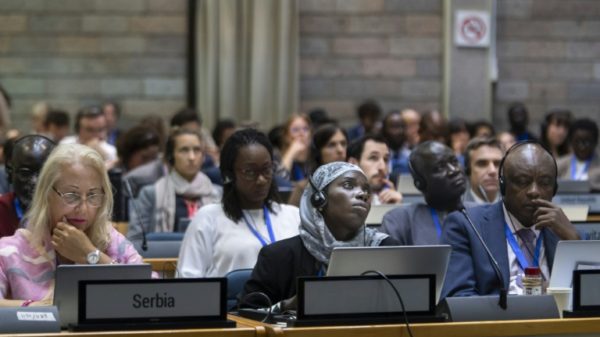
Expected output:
(567, 327)
(242, 330)
(249, 328)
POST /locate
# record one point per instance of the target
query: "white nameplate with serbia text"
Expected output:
(152, 301)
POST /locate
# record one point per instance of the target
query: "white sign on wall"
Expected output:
(472, 29)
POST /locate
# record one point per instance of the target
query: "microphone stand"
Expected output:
(502, 302)
(139, 215)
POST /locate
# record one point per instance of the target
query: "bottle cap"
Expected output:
(533, 271)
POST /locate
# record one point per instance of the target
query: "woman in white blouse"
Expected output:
(228, 236)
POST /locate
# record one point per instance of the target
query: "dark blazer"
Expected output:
(470, 271)
(277, 268)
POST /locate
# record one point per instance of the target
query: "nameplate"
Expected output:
(586, 290)
(593, 200)
(486, 308)
(152, 301)
(328, 297)
(29, 319)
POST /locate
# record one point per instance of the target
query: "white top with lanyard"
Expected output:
(214, 245)
(515, 286)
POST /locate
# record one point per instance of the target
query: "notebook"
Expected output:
(392, 260)
(68, 277)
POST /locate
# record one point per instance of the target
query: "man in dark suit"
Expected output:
(521, 230)
(437, 174)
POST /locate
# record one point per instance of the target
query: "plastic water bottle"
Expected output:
(532, 281)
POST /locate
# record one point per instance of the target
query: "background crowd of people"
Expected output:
(237, 190)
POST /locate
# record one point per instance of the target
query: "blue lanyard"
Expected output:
(586, 166)
(255, 231)
(517, 249)
(436, 221)
(297, 172)
(18, 208)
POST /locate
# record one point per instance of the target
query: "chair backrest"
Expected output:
(236, 279)
(165, 236)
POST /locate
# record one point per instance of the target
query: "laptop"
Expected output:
(573, 255)
(392, 260)
(377, 212)
(68, 277)
(567, 186)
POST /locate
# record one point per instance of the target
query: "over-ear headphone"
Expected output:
(502, 181)
(318, 199)
(418, 179)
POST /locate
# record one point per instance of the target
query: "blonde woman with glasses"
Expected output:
(68, 223)
(228, 236)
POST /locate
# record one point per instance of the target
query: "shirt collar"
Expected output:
(514, 224)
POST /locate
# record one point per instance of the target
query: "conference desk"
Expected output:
(249, 328)
(241, 330)
(546, 327)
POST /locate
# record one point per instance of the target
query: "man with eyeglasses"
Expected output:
(24, 160)
(584, 163)
(91, 128)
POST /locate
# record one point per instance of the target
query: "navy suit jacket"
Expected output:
(470, 271)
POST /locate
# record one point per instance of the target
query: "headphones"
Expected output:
(502, 181)
(418, 179)
(318, 199)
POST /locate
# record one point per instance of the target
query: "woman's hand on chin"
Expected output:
(71, 243)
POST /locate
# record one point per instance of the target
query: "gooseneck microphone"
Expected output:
(137, 213)
(503, 292)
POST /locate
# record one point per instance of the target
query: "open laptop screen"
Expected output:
(68, 277)
(392, 260)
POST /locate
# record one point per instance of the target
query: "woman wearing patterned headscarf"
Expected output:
(333, 209)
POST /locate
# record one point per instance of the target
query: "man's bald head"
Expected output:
(528, 173)
(24, 163)
(437, 173)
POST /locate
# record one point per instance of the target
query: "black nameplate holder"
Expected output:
(353, 300)
(486, 308)
(152, 304)
(586, 294)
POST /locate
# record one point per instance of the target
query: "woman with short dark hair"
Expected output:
(227, 236)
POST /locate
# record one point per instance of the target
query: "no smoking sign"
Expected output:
(472, 29)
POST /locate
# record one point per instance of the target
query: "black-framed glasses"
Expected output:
(252, 174)
(73, 199)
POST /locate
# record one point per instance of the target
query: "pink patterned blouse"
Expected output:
(28, 274)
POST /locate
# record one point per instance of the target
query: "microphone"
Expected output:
(503, 292)
(137, 213)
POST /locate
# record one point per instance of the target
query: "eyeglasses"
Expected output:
(73, 199)
(252, 174)
(25, 173)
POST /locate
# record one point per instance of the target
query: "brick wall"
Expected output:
(75, 52)
(354, 49)
(549, 56)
